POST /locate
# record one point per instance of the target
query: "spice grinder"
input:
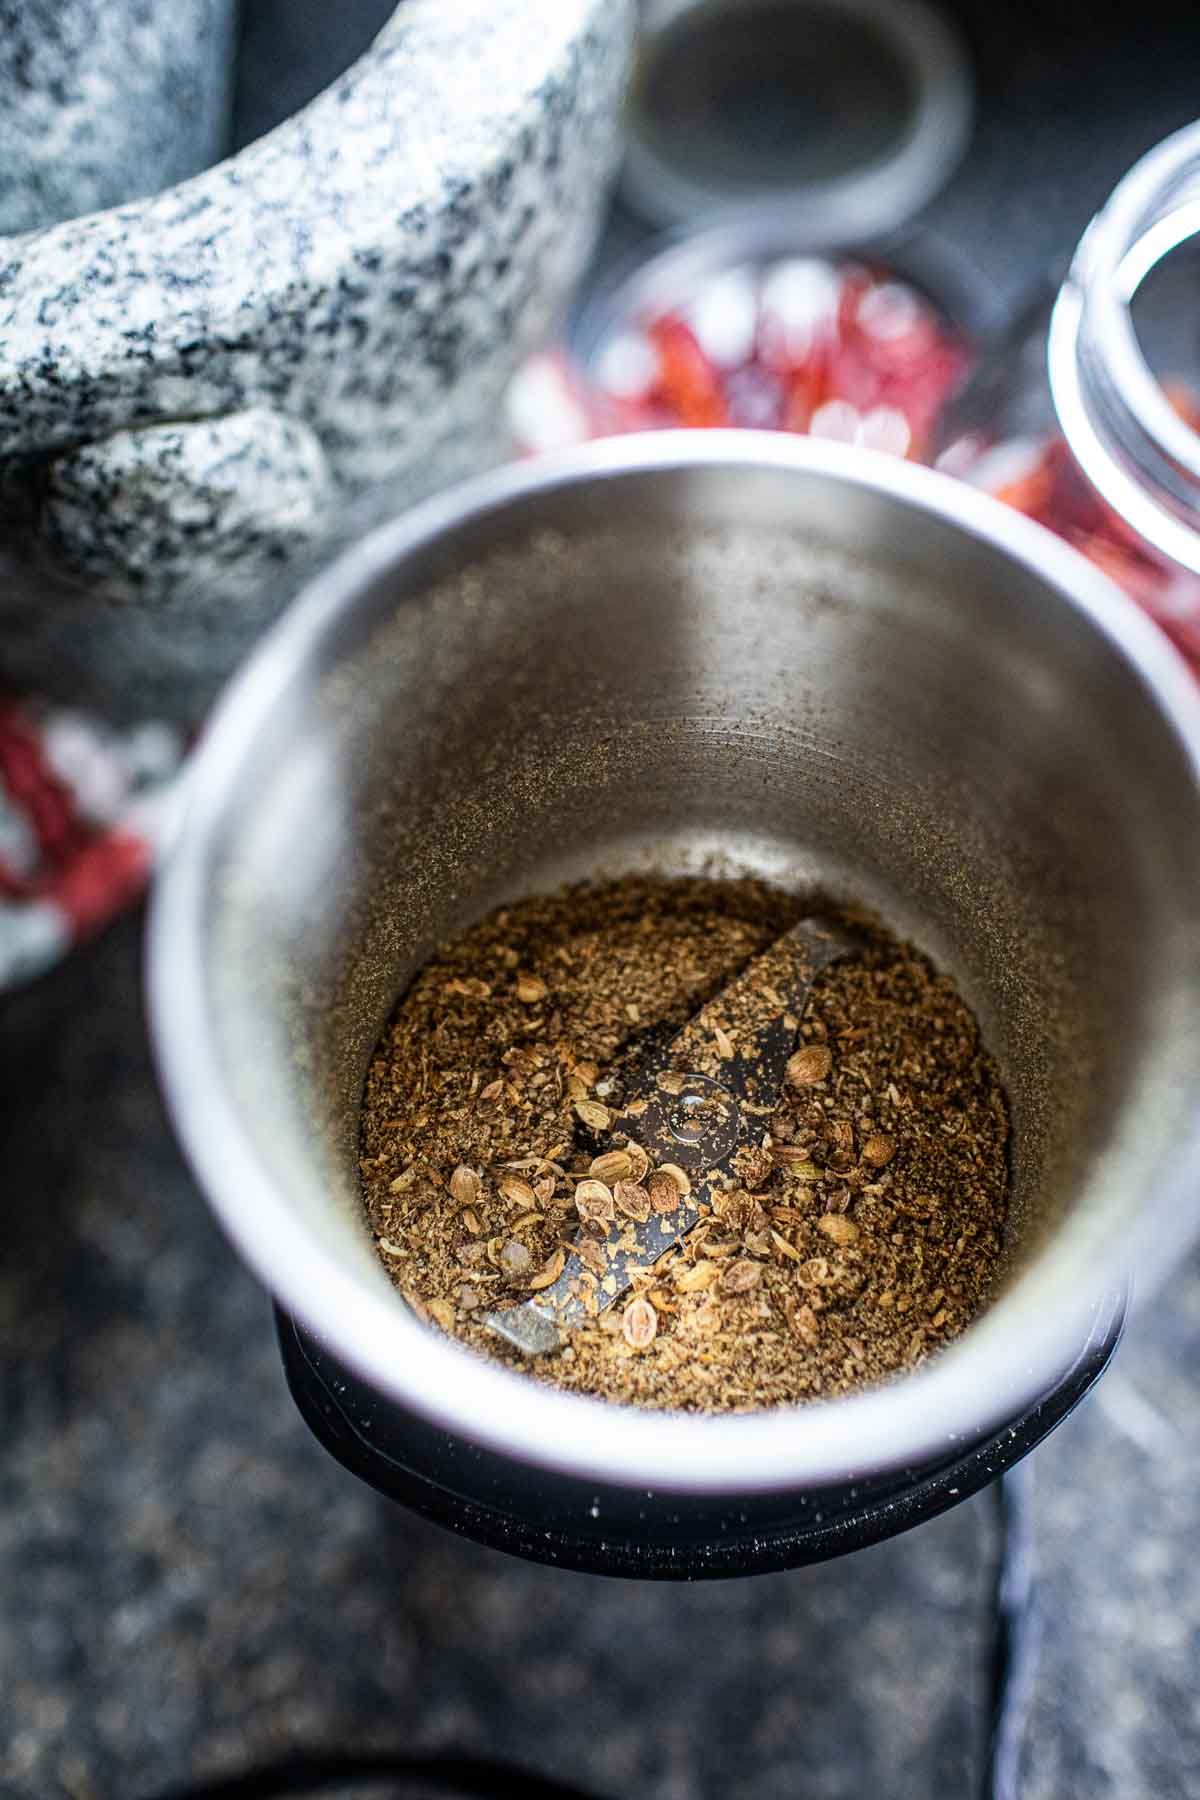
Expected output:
(683, 652)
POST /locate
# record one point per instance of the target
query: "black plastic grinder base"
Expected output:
(578, 1524)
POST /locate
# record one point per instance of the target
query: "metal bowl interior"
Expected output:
(842, 672)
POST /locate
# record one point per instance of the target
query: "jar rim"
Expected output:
(1134, 448)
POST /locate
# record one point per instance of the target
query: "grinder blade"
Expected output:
(721, 1077)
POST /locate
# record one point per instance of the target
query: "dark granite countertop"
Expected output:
(190, 1585)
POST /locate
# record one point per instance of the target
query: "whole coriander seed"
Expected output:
(464, 1186)
(663, 1193)
(616, 1165)
(740, 1277)
(516, 1191)
(515, 1259)
(838, 1227)
(639, 1324)
(632, 1199)
(810, 1065)
(593, 1200)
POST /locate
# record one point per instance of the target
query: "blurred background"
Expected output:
(191, 1586)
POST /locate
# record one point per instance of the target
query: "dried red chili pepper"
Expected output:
(687, 384)
(1041, 479)
(800, 345)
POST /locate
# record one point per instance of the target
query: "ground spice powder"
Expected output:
(861, 1238)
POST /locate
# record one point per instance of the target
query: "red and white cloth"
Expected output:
(84, 810)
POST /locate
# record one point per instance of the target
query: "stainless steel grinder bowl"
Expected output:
(830, 668)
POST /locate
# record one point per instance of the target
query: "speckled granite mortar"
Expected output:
(347, 297)
(104, 100)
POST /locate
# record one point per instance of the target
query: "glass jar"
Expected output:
(1086, 417)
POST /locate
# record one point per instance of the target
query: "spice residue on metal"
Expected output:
(691, 1110)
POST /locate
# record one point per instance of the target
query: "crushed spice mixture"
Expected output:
(861, 1239)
